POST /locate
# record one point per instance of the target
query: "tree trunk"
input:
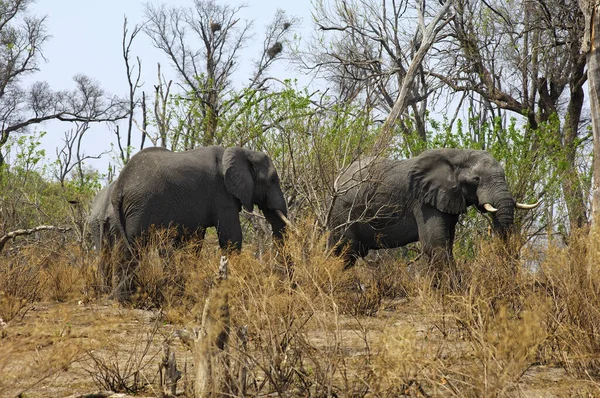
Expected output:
(210, 122)
(429, 35)
(593, 61)
(574, 196)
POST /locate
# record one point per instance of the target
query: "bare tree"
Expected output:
(374, 51)
(428, 35)
(72, 156)
(21, 40)
(525, 58)
(163, 116)
(591, 47)
(134, 73)
(205, 70)
(275, 36)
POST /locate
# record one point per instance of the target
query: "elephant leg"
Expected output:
(436, 234)
(105, 271)
(355, 251)
(355, 243)
(349, 248)
(198, 239)
(123, 280)
(229, 232)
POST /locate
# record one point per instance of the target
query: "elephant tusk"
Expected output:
(284, 218)
(526, 206)
(489, 208)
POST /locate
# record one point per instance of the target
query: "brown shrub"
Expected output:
(570, 277)
(305, 324)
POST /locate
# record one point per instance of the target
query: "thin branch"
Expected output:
(20, 232)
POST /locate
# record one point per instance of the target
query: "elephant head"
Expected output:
(101, 219)
(251, 177)
(453, 179)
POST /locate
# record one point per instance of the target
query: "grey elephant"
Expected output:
(104, 229)
(197, 189)
(385, 203)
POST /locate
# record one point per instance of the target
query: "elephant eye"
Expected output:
(476, 179)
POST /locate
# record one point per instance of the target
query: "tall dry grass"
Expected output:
(301, 326)
(51, 272)
(570, 281)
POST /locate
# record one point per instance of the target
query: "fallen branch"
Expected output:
(19, 232)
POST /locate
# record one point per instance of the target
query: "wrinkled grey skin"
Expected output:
(105, 231)
(196, 189)
(390, 203)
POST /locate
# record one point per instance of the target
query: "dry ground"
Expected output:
(373, 331)
(51, 348)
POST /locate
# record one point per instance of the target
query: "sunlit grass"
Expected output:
(312, 329)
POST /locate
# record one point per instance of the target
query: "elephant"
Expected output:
(384, 203)
(105, 232)
(196, 189)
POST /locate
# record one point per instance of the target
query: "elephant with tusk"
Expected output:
(383, 203)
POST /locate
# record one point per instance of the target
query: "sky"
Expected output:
(86, 39)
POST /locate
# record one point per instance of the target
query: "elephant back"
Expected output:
(164, 188)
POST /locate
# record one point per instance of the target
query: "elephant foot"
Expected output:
(448, 278)
(123, 293)
(126, 285)
(439, 274)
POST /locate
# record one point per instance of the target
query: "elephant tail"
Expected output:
(117, 202)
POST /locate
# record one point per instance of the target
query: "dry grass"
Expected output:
(312, 329)
(571, 282)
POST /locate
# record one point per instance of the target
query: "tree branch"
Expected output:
(20, 232)
(429, 34)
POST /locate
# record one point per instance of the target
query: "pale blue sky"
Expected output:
(86, 38)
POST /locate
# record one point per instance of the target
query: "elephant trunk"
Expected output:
(278, 223)
(504, 217)
(274, 209)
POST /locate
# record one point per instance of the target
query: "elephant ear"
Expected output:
(433, 180)
(238, 176)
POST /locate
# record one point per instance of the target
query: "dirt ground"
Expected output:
(63, 349)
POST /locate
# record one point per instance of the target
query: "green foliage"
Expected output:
(311, 144)
(22, 182)
(28, 154)
(309, 139)
(28, 195)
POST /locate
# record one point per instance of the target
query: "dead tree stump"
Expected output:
(169, 375)
(211, 352)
